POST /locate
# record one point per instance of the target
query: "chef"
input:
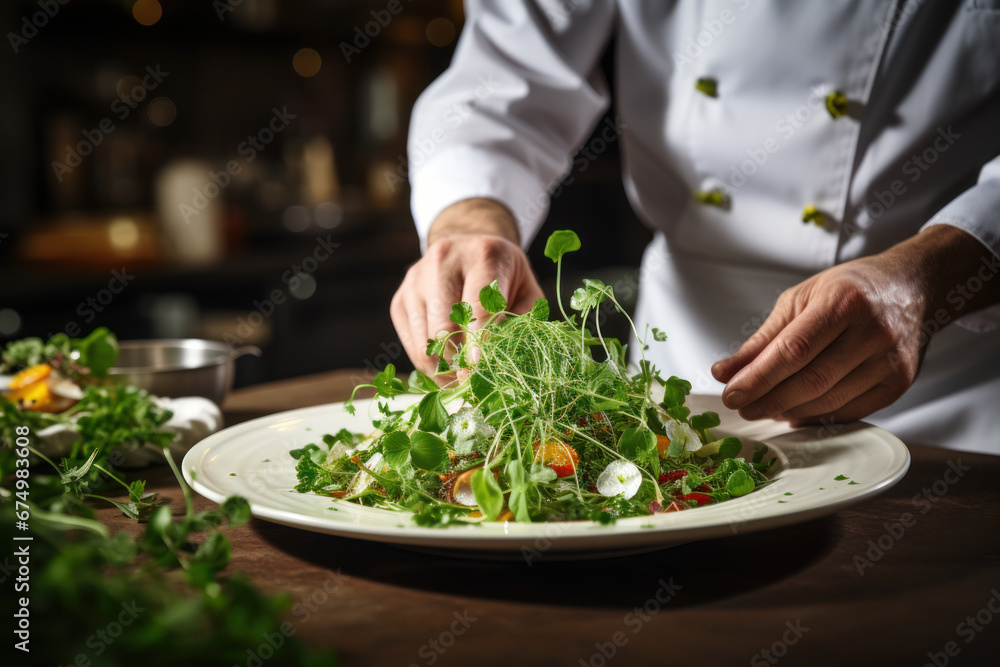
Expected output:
(822, 178)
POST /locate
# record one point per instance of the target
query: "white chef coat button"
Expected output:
(707, 85)
(713, 197)
(836, 104)
(814, 215)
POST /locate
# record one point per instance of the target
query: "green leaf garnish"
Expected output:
(428, 451)
(592, 294)
(561, 242)
(461, 313)
(433, 416)
(739, 484)
(540, 311)
(488, 494)
(396, 449)
(491, 298)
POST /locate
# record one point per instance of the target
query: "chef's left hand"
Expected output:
(849, 340)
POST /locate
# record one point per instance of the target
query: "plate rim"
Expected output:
(465, 537)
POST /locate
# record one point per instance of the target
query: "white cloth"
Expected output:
(194, 418)
(524, 90)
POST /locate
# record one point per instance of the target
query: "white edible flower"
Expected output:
(468, 429)
(681, 432)
(619, 478)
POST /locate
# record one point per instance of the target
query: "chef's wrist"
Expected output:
(477, 216)
(947, 263)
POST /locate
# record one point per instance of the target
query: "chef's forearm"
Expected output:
(475, 216)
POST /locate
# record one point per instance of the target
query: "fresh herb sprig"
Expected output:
(168, 585)
(82, 360)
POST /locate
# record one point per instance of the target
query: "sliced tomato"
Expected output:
(557, 455)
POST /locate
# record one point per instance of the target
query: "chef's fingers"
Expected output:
(417, 318)
(876, 398)
(818, 377)
(873, 372)
(778, 319)
(446, 290)
(410, 320)
(493, 259)
(527, 292)
(790, 350)
(526, 301)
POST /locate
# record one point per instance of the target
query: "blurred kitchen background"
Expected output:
(235, 170)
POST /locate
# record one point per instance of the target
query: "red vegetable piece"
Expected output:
(671, 476)
(699, 498)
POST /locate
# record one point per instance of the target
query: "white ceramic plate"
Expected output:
(251, 460)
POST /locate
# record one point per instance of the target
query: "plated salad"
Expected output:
(539, 420)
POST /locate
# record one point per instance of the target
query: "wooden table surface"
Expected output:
(909, 578)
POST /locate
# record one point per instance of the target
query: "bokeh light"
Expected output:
(162, 111)
(123, 234)
(147, 12)
(10, 322)
(296, 218)
(307, 62)
(440, 32)
(304, 288)
(127, 84)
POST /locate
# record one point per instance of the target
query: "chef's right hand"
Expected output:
(471, 244)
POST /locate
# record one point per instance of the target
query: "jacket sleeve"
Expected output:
(977, 211)
(523, 91)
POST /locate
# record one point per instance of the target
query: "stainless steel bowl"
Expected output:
(179, 367)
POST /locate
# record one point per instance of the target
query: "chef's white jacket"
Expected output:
(737, 118)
